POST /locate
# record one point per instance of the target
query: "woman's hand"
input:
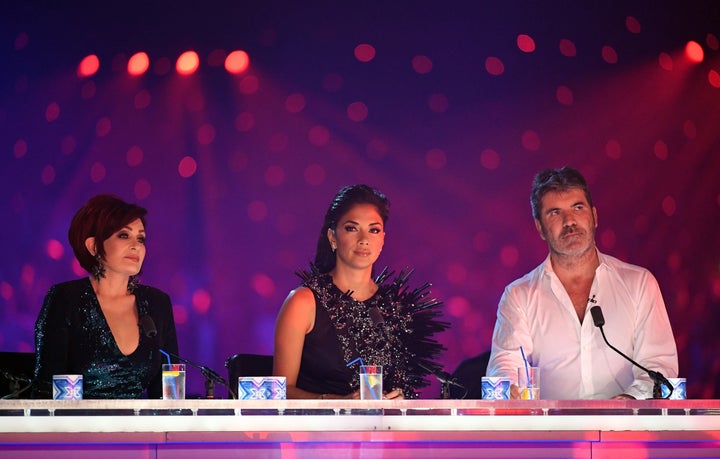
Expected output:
(395, 394)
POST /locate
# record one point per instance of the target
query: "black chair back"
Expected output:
(247, 365)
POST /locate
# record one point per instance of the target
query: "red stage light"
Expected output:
(237, 62)
(88, 66)
(138, 64)
(187, 63)
(694, 51)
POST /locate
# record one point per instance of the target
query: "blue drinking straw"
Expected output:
(166, 355)
(169, 363)
(527, 373)
(367, 380)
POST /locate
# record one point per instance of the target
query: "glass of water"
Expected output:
(173, 381)
(371, 382)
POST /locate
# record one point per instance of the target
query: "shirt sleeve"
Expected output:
(654, 342)
(511, 332)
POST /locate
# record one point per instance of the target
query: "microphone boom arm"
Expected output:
(656, 376)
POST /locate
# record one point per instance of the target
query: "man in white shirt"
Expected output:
(546, 312)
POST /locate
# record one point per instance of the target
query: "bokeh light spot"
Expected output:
(134, 156)
(295, 103)
(609, 54)
(103, 127)
(712, 41)
(97, 172)
(438, 103)
(187, 63)
(633, 25)
(138, 64)
(257, 211)
(314, 174)
(494, 66)
(187, 167)
(525, 43)
(142, 99)
(237, 62)
(489, 159)
(564, 95)
(613, 150)
(668, 206)
(694, 52)
(52, 112)
(714, 78)
(68, 145)
(263, 285)
(27, 275)
(422, 64)
(162, 66)
(20, 148)
(530, 140)
(55, 249)
(6, 291)
(201, 301)
(660, 150)
(206, 134)
(567, 48)
(21, 41)
(435, 159)
(319, 136)
(244, 122)
(274, 175)
(457, 306)
(216, 58)
(665, 61)
(364, 52)
(47, 176)
(357, 111)
(77, 269)
(180, 314)
(142, 189)
(88, 66)
(509, 256)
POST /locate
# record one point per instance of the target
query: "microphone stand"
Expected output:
(656, 376)
(446, 380)
(211, 376)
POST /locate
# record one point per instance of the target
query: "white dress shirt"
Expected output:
(535, 312)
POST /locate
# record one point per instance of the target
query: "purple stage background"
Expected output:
(450, 111)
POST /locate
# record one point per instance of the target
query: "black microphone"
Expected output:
(656, 376)
(148, 325)
(211, 376)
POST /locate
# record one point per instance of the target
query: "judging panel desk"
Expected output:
(159, 429)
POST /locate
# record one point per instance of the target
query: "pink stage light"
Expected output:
(237, 62)
(187, 63)
(88, 66)
(694, 52)
(138, 64)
